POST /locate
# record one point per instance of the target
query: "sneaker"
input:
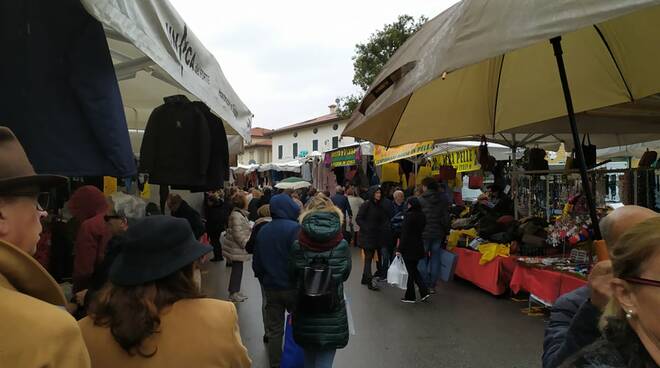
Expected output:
(409, 301)
(373, 286)
(425, 298)
(235, 298)
(365, 281)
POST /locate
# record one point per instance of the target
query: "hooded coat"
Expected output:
(89, 207)
(274, 242)
(411, 244)
(35, 329)
(436, 209)
(322, 331)
(374, 221)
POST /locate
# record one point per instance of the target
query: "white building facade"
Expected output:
(320, 134)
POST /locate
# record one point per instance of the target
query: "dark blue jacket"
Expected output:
(341, 202)
(59, 93)
(573, 326)
(274, 241)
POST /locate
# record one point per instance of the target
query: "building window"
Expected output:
(295, 150)
(280, 152)
(335, 142)
(335, 127)
(315, 145)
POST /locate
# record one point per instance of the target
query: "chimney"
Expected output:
(333, 108)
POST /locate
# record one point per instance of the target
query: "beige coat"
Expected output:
(236, 237)
(200, 333)
(35, 329)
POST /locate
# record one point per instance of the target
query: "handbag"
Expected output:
(448, 262)
(476, 182)
(648, 158)
(293, 355)
(536, 159)
(589, 151)
(484, 160)
(446, 171)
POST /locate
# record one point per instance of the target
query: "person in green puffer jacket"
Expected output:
(321, 334)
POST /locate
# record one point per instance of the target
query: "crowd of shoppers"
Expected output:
(140, 302)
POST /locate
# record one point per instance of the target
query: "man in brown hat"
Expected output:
(35, 329)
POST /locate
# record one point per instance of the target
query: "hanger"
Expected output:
(176, 99)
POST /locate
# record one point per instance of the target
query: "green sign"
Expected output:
(343, 157)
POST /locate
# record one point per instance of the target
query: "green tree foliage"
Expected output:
(371, 56)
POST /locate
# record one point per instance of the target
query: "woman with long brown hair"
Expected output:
(152, 314)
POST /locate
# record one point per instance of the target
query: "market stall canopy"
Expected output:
(487, 67)
(632, 150)
(156, 55)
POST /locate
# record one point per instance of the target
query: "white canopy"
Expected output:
(156, 55)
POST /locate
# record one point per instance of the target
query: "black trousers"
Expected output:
(368, 260)
(414, 278)
(236, 276)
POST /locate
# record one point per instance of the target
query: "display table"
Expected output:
(546, 285)
(493, 277)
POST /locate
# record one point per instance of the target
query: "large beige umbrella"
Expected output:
(487, 66)
(495, 66)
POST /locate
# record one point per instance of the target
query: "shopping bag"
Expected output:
(397, 273)
(292, 354)
(447, 265)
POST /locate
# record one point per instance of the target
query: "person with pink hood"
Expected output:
(89, 206)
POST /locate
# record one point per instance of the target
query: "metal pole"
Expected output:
(556, 45)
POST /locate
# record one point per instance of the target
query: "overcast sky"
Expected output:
(288, 60)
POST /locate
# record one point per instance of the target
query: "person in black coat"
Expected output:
(180, 208)
(216, 221)
(411, 249)
(375, 232)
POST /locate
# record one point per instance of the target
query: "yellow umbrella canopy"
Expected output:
(487, 66)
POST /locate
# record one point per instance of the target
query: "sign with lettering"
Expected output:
(463, 161)
(383, 155)
(343, 157)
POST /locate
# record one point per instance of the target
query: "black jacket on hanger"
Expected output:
(218, 169)
(176, 147)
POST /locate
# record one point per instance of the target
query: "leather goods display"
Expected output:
(589, 151)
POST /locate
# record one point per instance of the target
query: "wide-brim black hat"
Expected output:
(153, 248)
(16, 171)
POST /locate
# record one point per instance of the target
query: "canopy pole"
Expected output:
(586, 187)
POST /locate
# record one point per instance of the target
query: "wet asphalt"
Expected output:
(461, 326)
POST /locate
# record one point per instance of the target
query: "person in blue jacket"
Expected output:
(271, 266)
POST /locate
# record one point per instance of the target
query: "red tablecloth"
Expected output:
(494, 276)
(545, 284)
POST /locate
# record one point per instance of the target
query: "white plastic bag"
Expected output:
(397, 274)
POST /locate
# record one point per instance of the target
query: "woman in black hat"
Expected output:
(151, 313)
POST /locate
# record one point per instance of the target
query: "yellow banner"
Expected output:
(383, 155)
(463, 160)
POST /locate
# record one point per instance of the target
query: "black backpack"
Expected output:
(318, 291)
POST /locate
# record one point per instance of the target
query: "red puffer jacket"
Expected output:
(89, 206)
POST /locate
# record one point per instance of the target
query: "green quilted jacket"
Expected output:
(328, 330)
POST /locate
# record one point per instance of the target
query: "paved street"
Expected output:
(462, 326)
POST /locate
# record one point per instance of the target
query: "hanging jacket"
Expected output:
(411, 244)
(322, 331)
(236, 237)
(436, 209)
(59, 92)
(374, 221)
(177, 145)
(218, 169)
(273, 245)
